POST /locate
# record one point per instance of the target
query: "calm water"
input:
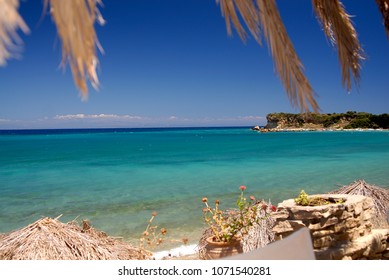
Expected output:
(116, 178)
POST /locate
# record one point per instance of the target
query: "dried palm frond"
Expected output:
(10, 22)
(340, 31)
(49, 239)
(75, 20)
(383, 5)
(262, 16)
(249, 14)
(379, 195)
(288, 65)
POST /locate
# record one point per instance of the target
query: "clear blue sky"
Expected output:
(171, 63)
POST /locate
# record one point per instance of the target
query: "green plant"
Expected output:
(302, 199)
(305, 200)
(234, 223)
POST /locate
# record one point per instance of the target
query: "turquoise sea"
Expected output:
(116, 178)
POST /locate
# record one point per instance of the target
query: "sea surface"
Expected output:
(116, 178)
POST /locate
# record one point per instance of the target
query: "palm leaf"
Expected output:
(383, 5)
(248, 12)
(75, 26)
(260, 17)
(340, 31)
(10, 22)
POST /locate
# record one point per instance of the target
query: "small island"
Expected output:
(317, 122)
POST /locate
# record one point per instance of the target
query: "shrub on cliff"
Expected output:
(354, 119)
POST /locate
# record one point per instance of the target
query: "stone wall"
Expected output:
(338, 231)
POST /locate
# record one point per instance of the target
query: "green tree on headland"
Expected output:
(348, 120)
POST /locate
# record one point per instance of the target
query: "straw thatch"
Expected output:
(262, 16)
(75, 25)
(75, 21)
(49, 239)
(340, 31)
(10, 22)
(379, 195)
(383, 5)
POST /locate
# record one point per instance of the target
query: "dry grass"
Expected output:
(262, 17)
(10, 22)
(340, 31)
(75, 26)
(379, 195)
(49, 239)
(383, 5)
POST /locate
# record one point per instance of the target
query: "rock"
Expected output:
(324, 223)
(321, 233)
(323, 242)
(345, 214)
(313, 121)
(339, 231)
(281, 214)
(282, 227)
(368, 214)
(347, 224)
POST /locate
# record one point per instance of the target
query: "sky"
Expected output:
(171, 63)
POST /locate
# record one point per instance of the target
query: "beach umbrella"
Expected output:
(379, 195)
(75, 21)
(50, 239)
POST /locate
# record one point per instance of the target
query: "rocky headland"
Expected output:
(318, 122)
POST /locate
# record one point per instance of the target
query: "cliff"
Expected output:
(315, 121)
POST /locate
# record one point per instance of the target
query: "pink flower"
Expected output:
(264, 206)
(252, 197)
(242, 188)
(273, 208)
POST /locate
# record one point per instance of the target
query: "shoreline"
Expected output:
(305, 129)
(185, 252)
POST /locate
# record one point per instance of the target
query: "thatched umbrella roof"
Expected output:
(49, 239)
(379, 195)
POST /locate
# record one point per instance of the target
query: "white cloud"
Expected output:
(96, 117)
(252, 118)
(10, 124)
(82, 120)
